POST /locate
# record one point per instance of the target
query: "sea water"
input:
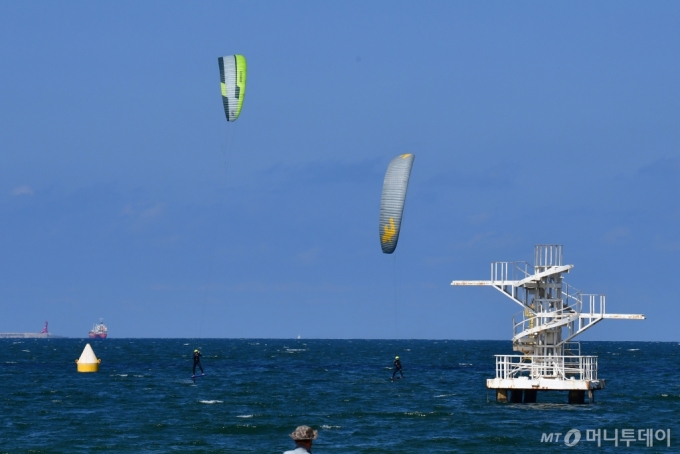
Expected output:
(256, 391)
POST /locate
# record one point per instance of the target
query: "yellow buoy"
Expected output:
(88, 361)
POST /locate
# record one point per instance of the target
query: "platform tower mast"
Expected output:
(552, 314)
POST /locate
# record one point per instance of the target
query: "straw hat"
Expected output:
(304, 433)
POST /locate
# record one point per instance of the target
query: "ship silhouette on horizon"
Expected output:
(99, 330)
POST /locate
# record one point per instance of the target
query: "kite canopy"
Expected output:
(393, 199)
(233, 79)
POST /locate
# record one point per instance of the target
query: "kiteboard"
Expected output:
(198, 376)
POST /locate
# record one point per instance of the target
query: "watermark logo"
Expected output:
(572, 437)
(627, 436)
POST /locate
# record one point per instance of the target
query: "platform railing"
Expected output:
(547, 367)
(572, 296)
(509, 271)
(595, 304)
(572, 349)
(547, 255)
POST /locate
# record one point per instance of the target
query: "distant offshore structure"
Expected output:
(99, 330)
(553, 313)
(44, 334)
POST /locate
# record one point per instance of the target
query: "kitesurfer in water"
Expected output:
(397, 367)
(197, 362)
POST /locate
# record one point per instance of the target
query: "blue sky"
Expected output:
(124, 193)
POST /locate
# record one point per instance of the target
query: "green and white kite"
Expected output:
(233, 79)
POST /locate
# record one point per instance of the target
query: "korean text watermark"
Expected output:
(637, 437)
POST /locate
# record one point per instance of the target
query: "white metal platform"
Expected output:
(552, 314)
(546, 373)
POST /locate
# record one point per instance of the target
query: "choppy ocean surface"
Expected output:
(257, 391)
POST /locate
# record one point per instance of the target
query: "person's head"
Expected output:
(396, 357)
(304, 435)
(195, 351)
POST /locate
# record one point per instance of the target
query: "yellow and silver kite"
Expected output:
(233, 79)
(393, 199)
